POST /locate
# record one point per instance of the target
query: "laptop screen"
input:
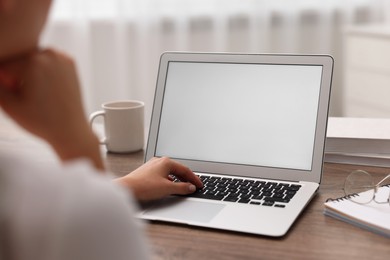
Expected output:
(252, 114)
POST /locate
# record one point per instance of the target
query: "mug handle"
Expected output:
(92, 117)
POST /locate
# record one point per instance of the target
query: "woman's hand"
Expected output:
(41, 92)
(153, 180)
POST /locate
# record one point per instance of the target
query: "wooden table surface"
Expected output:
(313, 236)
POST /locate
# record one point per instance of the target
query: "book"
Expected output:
(372, 216)
(378, 160)
(358, 135)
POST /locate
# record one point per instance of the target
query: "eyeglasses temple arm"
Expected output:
(383, 180)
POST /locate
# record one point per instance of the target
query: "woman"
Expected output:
(77, 213)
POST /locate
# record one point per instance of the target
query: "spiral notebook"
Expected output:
(372, 216)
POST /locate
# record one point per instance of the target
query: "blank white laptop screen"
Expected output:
(215, 111)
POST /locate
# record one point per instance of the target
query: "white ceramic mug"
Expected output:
(123, 125)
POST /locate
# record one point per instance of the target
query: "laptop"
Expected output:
(252, 126)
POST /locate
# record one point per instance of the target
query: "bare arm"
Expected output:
(152, 180)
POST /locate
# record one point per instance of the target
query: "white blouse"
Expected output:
(58, 212)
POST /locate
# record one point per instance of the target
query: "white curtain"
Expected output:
(117, 43)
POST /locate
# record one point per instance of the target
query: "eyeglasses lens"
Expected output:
(360, 184)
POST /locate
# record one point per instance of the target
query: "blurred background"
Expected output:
(117, 43)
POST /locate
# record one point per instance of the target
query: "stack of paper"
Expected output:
(362, 141)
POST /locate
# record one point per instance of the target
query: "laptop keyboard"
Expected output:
(266, 193)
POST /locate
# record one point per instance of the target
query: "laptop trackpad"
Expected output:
(183, 210)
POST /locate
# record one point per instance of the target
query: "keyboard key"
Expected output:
(204, 178)
(206, 196)
(245, 196)
(271, 199)
(231, 199)
(244, 200)
(294, 187)
(223, 193)
(255, 193)
(258, 197)
(234, 194)
(211, 192)
(267, 194)
(278, 196)
(268, 203)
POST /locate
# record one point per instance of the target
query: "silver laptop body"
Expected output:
(257, 117)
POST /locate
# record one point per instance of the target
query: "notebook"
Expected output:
(253, 126)
(372, 216)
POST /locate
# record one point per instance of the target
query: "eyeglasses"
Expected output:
(360, 188)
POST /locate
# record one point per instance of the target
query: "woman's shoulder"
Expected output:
(58, 181)
(70, 209)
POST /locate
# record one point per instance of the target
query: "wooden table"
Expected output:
(313, 236)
